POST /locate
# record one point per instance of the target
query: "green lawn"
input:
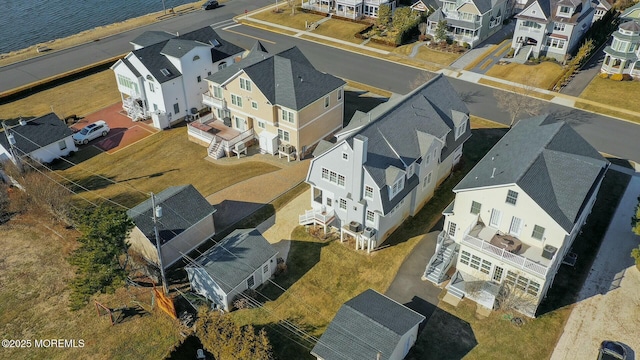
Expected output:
(322, 275)
(164, 159)
(284, 17)
(340, 29)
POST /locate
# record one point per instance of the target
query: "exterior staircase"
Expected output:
(522, 55)
(215, 150)
(454, 286)
(446, 250)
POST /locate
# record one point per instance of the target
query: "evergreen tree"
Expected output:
(441, 31)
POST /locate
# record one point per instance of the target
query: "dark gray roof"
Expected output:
(153, 56)
(397, 136)
(236, 257)
(258, 47)
(483, 5)
(130, 66)
(38, 132)
(549, 161)
(549, 9)
(287, 78)
(152, 37)
(366, 325)
(182, 207)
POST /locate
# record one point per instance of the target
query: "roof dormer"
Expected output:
(565, 11)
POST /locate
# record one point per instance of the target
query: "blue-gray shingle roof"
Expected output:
(366, 325)
(236, 257)
(37, 133)
(548, 160)
(152, 37)
(287, 79)
(182, 207)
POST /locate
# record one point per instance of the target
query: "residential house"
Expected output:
(516, 214)
(621, 57)
(281, 100)
(551, 28)
(469, 21)
(243, 260)
(352, 9)
(42, 139)
(387, 167)
(163, 77)
(601, 8)
(185, 222)
(369, 326)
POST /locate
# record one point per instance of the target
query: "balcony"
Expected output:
(525, 257)
(214, 102)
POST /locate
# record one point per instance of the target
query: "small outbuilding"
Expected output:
(243, 260)
(186, 223)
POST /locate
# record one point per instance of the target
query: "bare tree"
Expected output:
(292, 5)
(511, 299)
(520, 101)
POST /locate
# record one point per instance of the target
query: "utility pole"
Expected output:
(12, 142)
(157, 213)
(164, 8)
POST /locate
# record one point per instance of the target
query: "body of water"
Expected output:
(28, 22)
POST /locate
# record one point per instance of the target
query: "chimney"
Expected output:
(359, 159)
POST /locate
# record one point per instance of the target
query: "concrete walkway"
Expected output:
(609, 301)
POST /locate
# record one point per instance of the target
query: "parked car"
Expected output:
(91, 131)
(211, 4)
(612, 350)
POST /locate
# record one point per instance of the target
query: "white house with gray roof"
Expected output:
(163, 77)
(386, 166)
(551, 28)
(621, 57)
(43, 139)
(517, 213)
(469, 21)
(242, 260)
(368, 327)
(186, 223)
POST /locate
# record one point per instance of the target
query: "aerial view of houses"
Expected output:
(342, 179)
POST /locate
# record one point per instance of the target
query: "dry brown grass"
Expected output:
(285, 18)
(543, 75)
(340, 29)
(512, 88)
(482, 123)
(90, 35)
(80, 97)
(615, 93)
(34, 301)
(368, 88)
(263, 27)
(427, 54)
(607, 111)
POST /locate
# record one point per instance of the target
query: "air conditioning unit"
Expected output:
(354, 226)
(286, 148)
(549, 251)
(369, 232)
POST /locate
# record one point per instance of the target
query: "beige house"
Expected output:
(186, 222)
(280, 100)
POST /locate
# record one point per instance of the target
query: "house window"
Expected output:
(428, 159)
(345, 156)
(464, 257)
(565, 10)
(397, 187)
(326, 101)
(329, 202)
(370, 216)
(343, 204)
(62, 144)
(475, 207)
(452, 229)
(199, 78)
(165, 72)
(333, 177)
(261, 124)
(339, 94)
(265, 268)
(460, 129)
(151, 88)
(217, 92)
(512, 197)
(475, 262)
(485, 266)
(176, 108)
(533, 289)
(195, 58)
(287, 116)
(497, 274)
(222, 65)
(340, 180)
(283, 135)
(128, 83)
(251, 282)
(516, 226)
(410, 171)
(538, 232)
(245, 84)
(236, 100)
(254, 105)
(558, 26)
(435, 154)
(429, 178)
(325, 174)
(208, 73)
(368, 192)
(155, 107)
(555, 43)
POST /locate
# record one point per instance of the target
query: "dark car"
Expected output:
(611, 350)
(211, 4)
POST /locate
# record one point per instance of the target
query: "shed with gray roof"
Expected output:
(369, 326)
(242, 260)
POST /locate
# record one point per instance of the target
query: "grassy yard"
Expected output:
(606, 111)
(80, 97)
(161, 160)
(341, 30)
(543, 75)
(284, 17)
(512, 88)
(454, 332)
(427, 54)
(614, 93)
(34, 301)
(323, 274)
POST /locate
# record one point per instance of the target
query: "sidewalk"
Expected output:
(609, 301)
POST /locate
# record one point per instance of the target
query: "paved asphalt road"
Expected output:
(606, 134)
(29, 71)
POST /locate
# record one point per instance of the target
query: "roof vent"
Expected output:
(300, 77)
(493, 173)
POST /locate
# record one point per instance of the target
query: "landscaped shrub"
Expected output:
(604, 75)
(425, 38)
(616, 77)
(466, 45)
(627, 77)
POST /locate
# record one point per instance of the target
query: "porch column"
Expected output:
(621, 68)
(341, 235)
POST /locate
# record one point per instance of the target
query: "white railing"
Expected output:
(209, 100)
(513, 259)
(229, 144)
(529, 29)
(317, 216)
(212, 145)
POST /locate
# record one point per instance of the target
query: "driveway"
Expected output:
(583, 78)
(609, 301)
(407, 288)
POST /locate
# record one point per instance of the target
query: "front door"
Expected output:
(494, 222)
